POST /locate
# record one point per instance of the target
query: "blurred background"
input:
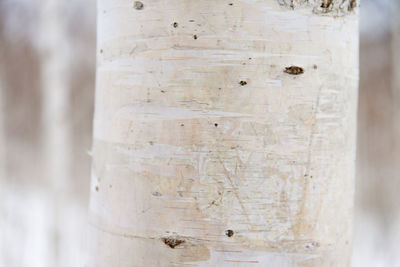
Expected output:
(47, 81)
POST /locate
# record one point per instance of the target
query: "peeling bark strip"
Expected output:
(329, 7)
(214, 139)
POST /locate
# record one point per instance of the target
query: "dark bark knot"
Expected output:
(172, 242)
(327, 4)
(229, 233)
(138, 5)
(294, 70)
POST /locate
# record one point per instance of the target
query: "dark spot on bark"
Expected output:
(315, 67)
(216, 124)
(182, 124)
(162, 91)
(231, 4)
(97, 188)
(294, 70)
(192, 20)
(312, 245)
(334, 8)
(352, 5)
(229, 233)
(175, 24)
(242, 83)
(327, 4)
(138, 5)
(172, 242)
(195, 37)
(156, 194)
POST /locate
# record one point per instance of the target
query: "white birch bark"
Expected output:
(208, 149)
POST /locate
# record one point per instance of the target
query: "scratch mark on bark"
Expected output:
(235, 189)
(188, 239)
(307, 177)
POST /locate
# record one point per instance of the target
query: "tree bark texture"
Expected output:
(224, 133)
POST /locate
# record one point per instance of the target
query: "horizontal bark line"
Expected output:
(309, 245)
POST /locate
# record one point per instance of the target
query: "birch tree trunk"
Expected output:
(224, 133)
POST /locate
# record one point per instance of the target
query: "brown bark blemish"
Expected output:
(292, 4)
(195, 37)
(335, 8)
(294, 70)
(175, 24)
(242, 83)
(326, 4)
(229, 233)
(172, 242)
(96, 188)
(216, 124)
(312, 245)
(138, 5)
(352, 5)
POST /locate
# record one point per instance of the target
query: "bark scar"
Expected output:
(307, 176)
(234, 187)
(172, 242)
(294, 70)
